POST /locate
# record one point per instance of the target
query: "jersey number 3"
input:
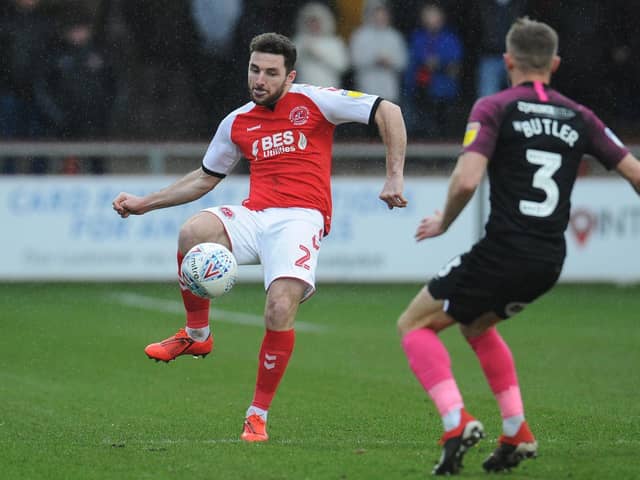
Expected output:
(549, 163)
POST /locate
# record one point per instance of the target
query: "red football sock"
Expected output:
(275, 352)
(197, 307)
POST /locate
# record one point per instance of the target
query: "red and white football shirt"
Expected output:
(289, 146)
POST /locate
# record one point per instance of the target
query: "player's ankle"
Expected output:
(253, 410)
(511, 425)
(198, 334)
(451, 420)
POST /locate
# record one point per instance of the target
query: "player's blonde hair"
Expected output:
(532, 44)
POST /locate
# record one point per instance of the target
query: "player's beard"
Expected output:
(269, 100)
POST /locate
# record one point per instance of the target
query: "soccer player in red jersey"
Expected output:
(530, 139)
(286, 133)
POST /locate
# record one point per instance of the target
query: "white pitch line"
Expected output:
(216, 315)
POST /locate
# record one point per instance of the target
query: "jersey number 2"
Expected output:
(549, 163)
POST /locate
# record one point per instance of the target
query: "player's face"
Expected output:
(268, 78)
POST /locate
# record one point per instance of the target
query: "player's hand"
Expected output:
(430, 227)
(392, 193)
(126, 204)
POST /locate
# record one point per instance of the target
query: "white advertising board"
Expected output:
(604, 232)
(63, 228)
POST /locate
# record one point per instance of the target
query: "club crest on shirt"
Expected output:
(471, 133)
(299, 115)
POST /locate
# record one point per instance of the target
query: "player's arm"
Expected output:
(464, 181)
(388, 118)
(629, 168)
(190, 187)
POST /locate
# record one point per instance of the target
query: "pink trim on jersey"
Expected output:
(539, 88)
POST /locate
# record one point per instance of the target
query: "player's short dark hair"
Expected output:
(278, 44)
(532, 44)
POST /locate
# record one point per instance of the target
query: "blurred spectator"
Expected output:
(323, 57)
(260, 16)
(350, 14)
(583, 28)
(215, 70)
(25, 34)
(76, 87)
(432, 87)
(623, 74)
(163, 102)
(494, 18)
(378, 53)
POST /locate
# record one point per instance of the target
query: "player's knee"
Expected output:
(279, 313)
(187, 236)
(403, 324)
(202, 228)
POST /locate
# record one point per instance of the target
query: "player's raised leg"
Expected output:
(430, 362)
(283, 298)
(516, 442)
(196, 338)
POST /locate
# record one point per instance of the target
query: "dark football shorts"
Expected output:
(485, 280)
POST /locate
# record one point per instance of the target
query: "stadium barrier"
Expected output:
(60, 227)
(170, 157)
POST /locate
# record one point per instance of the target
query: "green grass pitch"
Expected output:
(80, 400)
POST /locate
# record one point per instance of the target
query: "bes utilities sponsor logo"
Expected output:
(282, 142)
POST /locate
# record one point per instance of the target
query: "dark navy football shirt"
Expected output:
(534, 138)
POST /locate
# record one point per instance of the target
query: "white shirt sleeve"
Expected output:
(340, 106)
(222, 154)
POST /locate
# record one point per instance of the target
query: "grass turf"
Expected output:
(79, 399)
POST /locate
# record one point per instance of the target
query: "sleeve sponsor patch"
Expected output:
(354, 93)
(471, 133)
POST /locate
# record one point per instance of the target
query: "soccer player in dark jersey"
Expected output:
(530, 139)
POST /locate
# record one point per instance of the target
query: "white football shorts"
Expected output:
(286, 241)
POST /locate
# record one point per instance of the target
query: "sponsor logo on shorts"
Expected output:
(227, 212)
(514, 307)
(299, 115)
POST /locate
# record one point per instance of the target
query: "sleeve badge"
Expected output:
(471, 133)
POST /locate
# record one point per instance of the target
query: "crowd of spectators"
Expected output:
(171, 69)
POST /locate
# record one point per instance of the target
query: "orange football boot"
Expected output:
(255, 429)
(178, 344)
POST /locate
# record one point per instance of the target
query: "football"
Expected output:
(209, 270)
